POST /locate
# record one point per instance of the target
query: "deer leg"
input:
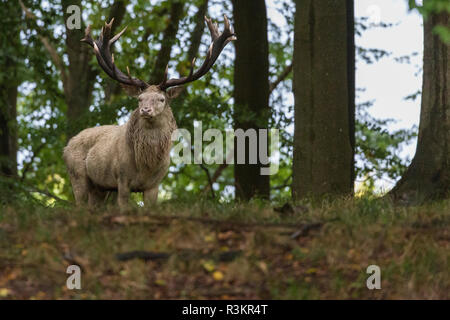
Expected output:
(80, 189)
(96, 197)
(150, 196)
(123, 195)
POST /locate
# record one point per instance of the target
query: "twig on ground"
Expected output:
(305, 229)
(226, 256)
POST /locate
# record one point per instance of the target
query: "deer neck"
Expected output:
(150, 141)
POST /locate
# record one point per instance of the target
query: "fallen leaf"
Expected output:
(218, 276)
(160, 282)
(39, 296)
(209, 266)
(311, 271)
(123, 273)
(225, 235)
(263, 266)
(4, 292)
(289, 256)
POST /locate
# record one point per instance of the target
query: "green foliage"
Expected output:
(434, 7)
(377, 150)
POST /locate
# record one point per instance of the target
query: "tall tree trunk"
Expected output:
(428, 176)
(9, 82)
(8, 127)
(197, 33)
(251, 90)
(192, 52)
(169, 39)
(80, 79)
(324, 86)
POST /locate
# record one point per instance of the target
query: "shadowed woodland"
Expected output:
(224, 231)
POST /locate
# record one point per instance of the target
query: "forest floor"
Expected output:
(203, 250)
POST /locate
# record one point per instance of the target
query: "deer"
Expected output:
(135, 156)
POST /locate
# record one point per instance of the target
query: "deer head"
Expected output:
(153, 99)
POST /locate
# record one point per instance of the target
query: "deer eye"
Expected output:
(161, 100)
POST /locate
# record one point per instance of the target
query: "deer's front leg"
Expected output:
(150, 196)
(123, 194)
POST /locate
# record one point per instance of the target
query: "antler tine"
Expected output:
(227, 22)
(218, 43)
(163, 82)
(192, 68)
(117, 36)
(212, 28)
(228, 30)
(87, 37)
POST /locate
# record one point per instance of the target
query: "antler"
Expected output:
(219, 41)
(102, 49)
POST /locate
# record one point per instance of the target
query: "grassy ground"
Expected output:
(208, 251)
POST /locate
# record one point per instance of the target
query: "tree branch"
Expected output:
(169, 38)
(218, 172)
(198, 31)
(29, 188)
(287, 70)
(210, 182)
(30, 163)
(56, 58)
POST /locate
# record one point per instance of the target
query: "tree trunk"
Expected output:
(251, 91)
(197, 33)
(8, 129)
(9, 82)
(428, 176)
(324, 86)
(169, 39)
(79, 83)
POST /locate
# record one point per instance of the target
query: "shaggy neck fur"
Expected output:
(150, 139)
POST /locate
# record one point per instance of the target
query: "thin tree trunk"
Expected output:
(169, 39)
(9, 82)
(79, 83)
(197, 33)
(428, 176)
(193, 50)
(324, 85)
(8, 129)
(251, 91)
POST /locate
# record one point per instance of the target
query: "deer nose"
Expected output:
(147, 110)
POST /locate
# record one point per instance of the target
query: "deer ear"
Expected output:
(132, 91)
(174, 92)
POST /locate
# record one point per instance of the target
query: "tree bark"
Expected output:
(8, 128)
(251, 91)
(169, 39)
(324, 86)
(80, 81)
(9, 82)
(193, 50)
(428, 176)
(197, 33)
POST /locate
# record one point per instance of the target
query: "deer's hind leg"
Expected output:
(96, 197)
(80, 187)
(150, 196)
